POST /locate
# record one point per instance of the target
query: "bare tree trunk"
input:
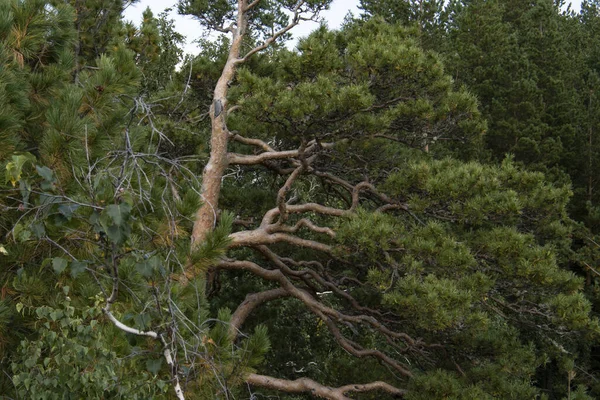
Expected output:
(215, 168)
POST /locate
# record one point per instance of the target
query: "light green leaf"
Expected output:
(15, 167)
(67, 210)
(115, 233)
(38, 229)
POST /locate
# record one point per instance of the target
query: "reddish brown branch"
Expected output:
(252, 142)
(302, 208)
(303, 385)
(282, 194)
(270, 153)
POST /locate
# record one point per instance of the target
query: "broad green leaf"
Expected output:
(153, 366)
(77, 267)
(67, 210)
(118, 213)
(115, 233)
(14, 168)
(45, 173)
(38, 229)
(59, 264)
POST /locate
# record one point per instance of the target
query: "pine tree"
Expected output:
(342, 230)
(428, 16)
(87, 236)
(587, 180)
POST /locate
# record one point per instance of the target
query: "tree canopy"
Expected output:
(401, 208)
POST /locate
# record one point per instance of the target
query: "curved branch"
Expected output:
(316, 389)
(154, 335)
(244, 159)
(302, 208)
(275, 259)
(250, 303)
(282, 193)
(295, 20)
(252, 142)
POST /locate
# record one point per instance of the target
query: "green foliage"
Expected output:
(70, 359)
(103, 143)
(370, 81)
(94, 199)
(473, 268)
(215, 244)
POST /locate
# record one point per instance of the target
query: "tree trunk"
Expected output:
(212, 175)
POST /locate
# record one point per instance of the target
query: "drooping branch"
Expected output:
(320, 279)
(327, 314)
(275, 259)
(303, 385)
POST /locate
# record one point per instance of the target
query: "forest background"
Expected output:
(405, 207)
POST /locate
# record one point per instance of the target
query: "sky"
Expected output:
(191, 29)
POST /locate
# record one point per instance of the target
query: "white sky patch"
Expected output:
(192, 31)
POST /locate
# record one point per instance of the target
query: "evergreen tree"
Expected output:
(587, 180)
(428, 16)
(86, 234)
(349, 244)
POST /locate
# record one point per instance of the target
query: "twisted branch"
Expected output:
(316, 389)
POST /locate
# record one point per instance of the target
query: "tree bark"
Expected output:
(212, 175)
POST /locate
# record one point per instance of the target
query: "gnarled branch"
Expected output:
(303, 385)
